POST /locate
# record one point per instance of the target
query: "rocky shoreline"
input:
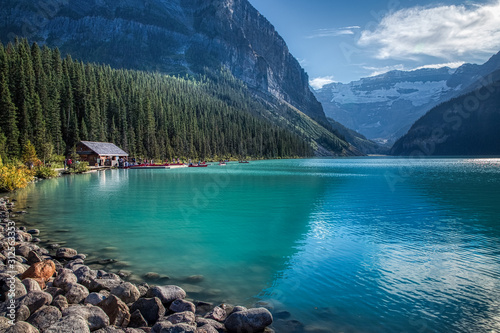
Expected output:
(54, 291)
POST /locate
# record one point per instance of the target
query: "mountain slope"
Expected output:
(170, 36)
(466, 125)
(384, 107)
(358, 140)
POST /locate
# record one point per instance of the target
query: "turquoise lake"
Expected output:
(343, 245)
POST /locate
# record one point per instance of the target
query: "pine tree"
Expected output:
(8, 111)
(29, 154)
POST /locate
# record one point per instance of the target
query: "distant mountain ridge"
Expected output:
(465, 125)
(176, 37)
(384, 107)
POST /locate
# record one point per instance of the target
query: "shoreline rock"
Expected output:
(60, 293)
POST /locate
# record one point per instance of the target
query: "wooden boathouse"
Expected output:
(100, 153)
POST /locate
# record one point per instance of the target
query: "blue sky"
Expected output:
(345, 40)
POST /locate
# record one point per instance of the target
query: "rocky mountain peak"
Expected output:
(171, 36)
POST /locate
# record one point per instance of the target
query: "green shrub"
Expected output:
(45, 172)
(79, 167)
(57, 161)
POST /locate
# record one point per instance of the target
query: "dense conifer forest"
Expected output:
(55, 102)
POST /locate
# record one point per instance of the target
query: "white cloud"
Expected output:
(319, 82)
(334, 32)
(444, 32)
(381, 70)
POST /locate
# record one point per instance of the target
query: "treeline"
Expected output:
(55, 103)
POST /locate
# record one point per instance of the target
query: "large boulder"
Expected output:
(186, 317)
(13, 287)
(31, 285)
(22, 327)
(95, 316)
(34, 300)
(45, 317)
(75, 293)
(166, 294)
(33, 257)
(41, 272)
(249, 321)
(4, 323)
(180, 305)
(60, 302)
(117, 311)
(65, 253)
(94, 298)
(69, 324)
(18, 268)
(54, 291)
(206, 329)
(217, 313)
(64, 278)
(151, 309)
(23, 250)
(137, 320)
(178, 328)
(127, 292)
(200, 321)
(22, 313)
(98, 284)
(84, 273)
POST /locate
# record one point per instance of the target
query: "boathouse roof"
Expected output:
(101, 148)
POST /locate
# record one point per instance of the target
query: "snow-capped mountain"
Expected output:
(384, 107)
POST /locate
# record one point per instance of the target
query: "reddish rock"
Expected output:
(117, 311)
(41, 272)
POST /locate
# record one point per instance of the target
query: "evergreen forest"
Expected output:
(55, 102)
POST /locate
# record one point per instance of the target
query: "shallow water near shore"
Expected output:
(343, 245)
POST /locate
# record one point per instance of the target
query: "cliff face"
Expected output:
(170, 36)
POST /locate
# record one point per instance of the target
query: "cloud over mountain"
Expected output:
(443, 32)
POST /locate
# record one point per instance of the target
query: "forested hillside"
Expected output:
(56, 102)
(466, 125)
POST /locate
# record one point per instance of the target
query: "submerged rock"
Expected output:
(66, 253)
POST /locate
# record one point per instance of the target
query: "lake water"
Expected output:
(343, 245)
